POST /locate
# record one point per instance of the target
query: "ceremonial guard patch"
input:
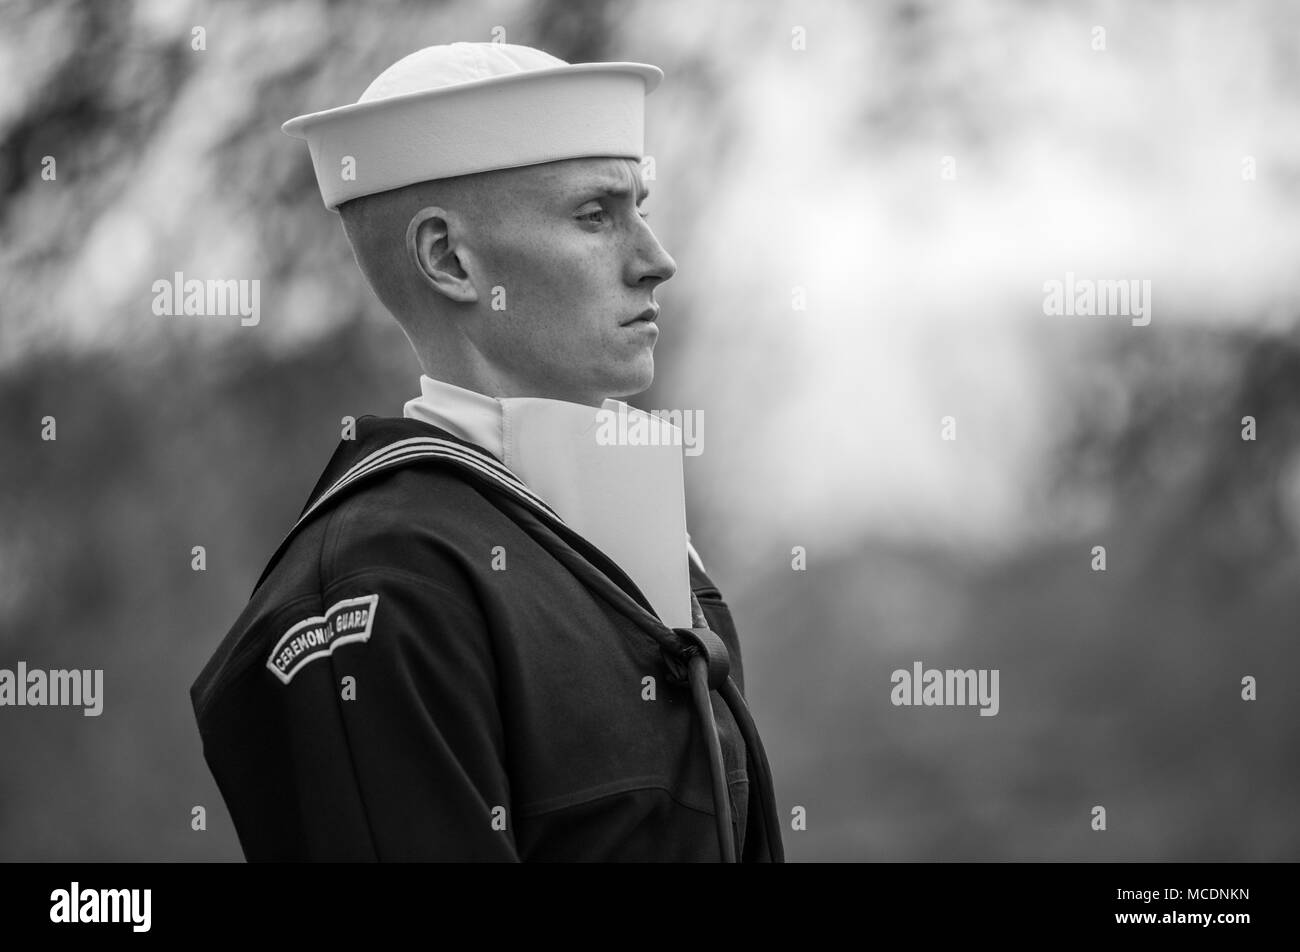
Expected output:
(346, 621)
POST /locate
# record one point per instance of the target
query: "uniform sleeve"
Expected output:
(393, 727)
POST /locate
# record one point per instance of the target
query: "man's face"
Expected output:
(577, 263)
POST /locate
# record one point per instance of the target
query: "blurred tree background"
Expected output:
(796, 146)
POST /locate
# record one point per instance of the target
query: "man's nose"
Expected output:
(653, 261)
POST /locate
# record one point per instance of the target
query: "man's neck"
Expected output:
(502, 387)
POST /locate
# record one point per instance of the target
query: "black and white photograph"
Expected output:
(651, 432)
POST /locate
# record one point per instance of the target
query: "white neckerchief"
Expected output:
(625, 497)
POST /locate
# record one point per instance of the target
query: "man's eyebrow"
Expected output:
(614, 190)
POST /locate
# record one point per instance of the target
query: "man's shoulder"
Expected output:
(422, 517)
(398, 495)
(408, 530)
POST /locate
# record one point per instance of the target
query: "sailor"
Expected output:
(488, 637)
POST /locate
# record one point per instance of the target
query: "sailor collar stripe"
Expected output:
(403, 451)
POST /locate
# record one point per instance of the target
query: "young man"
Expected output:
(488, 637)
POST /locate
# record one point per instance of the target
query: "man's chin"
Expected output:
(634, 383)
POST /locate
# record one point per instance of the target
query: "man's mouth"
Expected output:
(649, 314)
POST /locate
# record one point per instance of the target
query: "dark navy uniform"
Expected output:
(435, 667)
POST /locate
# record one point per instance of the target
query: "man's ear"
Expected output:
(433, 250)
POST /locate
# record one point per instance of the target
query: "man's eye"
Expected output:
(592, 216)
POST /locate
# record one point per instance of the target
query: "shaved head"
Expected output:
(376, 226)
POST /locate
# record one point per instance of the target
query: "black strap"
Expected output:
(760, 770)
(717, 766)
(698, 643)
(702, 660)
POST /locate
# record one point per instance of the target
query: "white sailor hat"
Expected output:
(474, 107)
